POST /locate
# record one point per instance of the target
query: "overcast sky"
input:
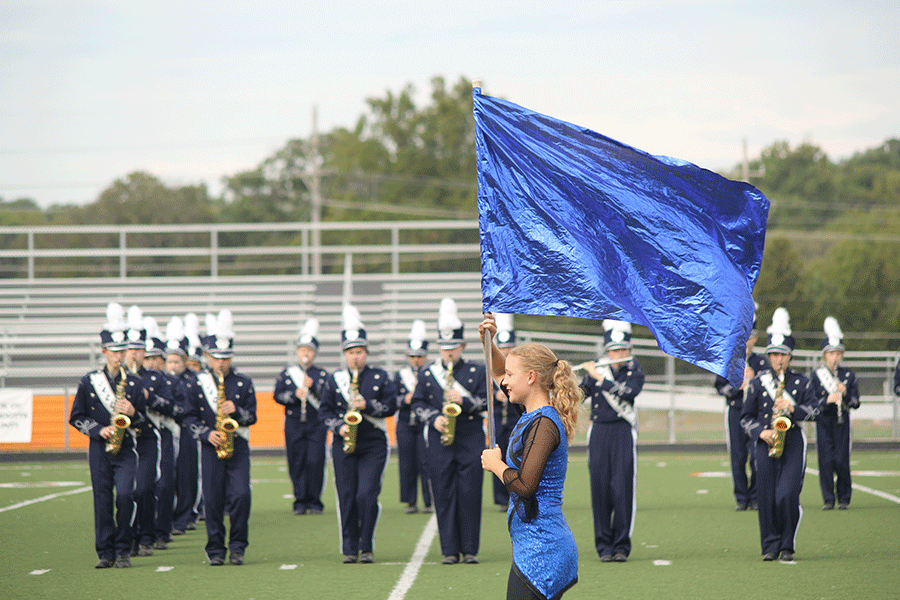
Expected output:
(194, 90)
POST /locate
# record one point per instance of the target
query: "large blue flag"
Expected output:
(573, 223)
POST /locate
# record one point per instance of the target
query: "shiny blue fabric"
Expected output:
(544, 548)
(576, 224)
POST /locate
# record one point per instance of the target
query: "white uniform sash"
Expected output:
(440, 374)
(211, 391)
(828, 379)
(298, 376)
(769, 383)
(409, 378)
(342, 379)
(104, 391)
(622, 408)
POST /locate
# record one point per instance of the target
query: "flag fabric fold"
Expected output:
(573, 223)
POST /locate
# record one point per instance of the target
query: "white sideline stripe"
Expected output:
(43, 498)
(415, 562)
(39, 571)
(863, 488)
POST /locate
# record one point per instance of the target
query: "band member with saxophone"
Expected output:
(188, 499)
(739, 446)
(360, 444)
(159, 401)
(450, 398)
(837, 392)
(299, 388)
(611, 385)
(777, 400)
(506, 413)
(412, 462)
(107, 409)
(221, 409)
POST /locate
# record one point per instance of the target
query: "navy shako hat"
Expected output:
(506, 335)
(192, 334)
(155, 346)
(417, 345)
(780, 339)
(221, 344)
(307, 336)
(176, 341)
(834, 338)
(112, 337)
(616, 335)
(137, 333)
(450, 328)
(353, 335)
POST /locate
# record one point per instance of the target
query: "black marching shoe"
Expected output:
(412, 509)
(470, 559)
(787, 556)
(741, 506)
(427, 510)
(178, 532)
(843, 506)
(162, 545)
(104, 563)
(619, 557)
(350, 559)
(754, 506)
(450, 559)
(216, 561)
(145, 550)
(366, 558)
(236, 558)
(828, 506)
(770, 556)
(606, 558)
(123, 561)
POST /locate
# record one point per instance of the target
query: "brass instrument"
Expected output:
(119, 420)
(840, 403)
(450, 410)
(780, 423)
(224, 424)
(352, 417)
(303, 401)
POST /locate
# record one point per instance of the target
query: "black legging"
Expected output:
(518, 587)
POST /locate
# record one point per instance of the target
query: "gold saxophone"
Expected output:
(352, 417)
(119, 420)
(224, 424)
(780, 423)
(450, 410)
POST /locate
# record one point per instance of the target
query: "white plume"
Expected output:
(175, 329)
(310, 328)
(225, 324)
(211, 327)
(152, 328)
(832, 329)
(613, 325)
(191, 325)
(115, 317)
(504, 321)
(781, 322)
(135, 317)
(350, 318)
(447, 315)
(418, 331)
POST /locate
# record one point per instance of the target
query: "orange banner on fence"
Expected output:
(50, 429)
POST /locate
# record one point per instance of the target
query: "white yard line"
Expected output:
(863, 488)
(415, 562)
(43, 498)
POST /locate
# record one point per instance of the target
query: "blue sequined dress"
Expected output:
(544, 549)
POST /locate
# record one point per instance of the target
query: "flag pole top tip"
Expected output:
(476, 83)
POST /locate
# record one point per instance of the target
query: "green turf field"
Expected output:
(688, 543)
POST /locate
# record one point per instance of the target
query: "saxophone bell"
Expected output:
(451, 410)
(780, 423)
(225, 425)
(120, 421)
(352, 417)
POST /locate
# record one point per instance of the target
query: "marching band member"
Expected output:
(188, 498)
(545, 557)
(453, 386)
(412, 461)
(355, 402)
(221, 408)
(837, 392)
(735, 437)
(777, 400)
(104, 397)
(166, 412)
(298, 388)
(611, 386)
(506, 413)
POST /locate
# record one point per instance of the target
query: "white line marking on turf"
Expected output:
(662, 563)
(43, 498)
(863, 488)
(415, 562)
(37, 484)
(287, 567)
(162, 569)
(39, 571)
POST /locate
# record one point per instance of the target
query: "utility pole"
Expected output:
(745, 167)
(312, 177)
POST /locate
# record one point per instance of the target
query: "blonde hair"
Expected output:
(555, 376)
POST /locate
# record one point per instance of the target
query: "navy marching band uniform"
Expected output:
(612, 446)
(304, 431)
(834, 434)
(188, 498)
(358, 476)
(736, 438)
(112, 475)
(779, 480)
(226, 481)
(457, 478)
(412, 460)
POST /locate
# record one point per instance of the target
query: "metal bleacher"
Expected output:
(49, 328)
